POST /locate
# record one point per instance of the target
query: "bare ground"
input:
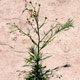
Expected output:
(65, 49)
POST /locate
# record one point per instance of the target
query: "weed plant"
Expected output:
(38, 71)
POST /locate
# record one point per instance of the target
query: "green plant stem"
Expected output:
(38, 47)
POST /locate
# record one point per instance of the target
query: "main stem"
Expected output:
(38, 49)
(38, 39)
(38, 33)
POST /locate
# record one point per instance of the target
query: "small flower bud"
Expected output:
(27, 19)
(32, 19)
(29, 22)
(30, 2)
(45, 17)
(56, 18)
(39, 5)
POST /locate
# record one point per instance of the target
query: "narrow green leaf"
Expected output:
(27, 65)
(67, 25)
(31, 10)
(46, 57)
(12, 31)
(8, 23)
(44, 45)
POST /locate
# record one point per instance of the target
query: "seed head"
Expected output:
(39, 5)
(45, 17)
(30, 2)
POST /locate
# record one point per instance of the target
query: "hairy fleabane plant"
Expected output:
(38, 71)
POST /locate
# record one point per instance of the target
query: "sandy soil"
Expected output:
(65, 49)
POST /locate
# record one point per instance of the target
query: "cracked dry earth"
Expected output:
(65, 49)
